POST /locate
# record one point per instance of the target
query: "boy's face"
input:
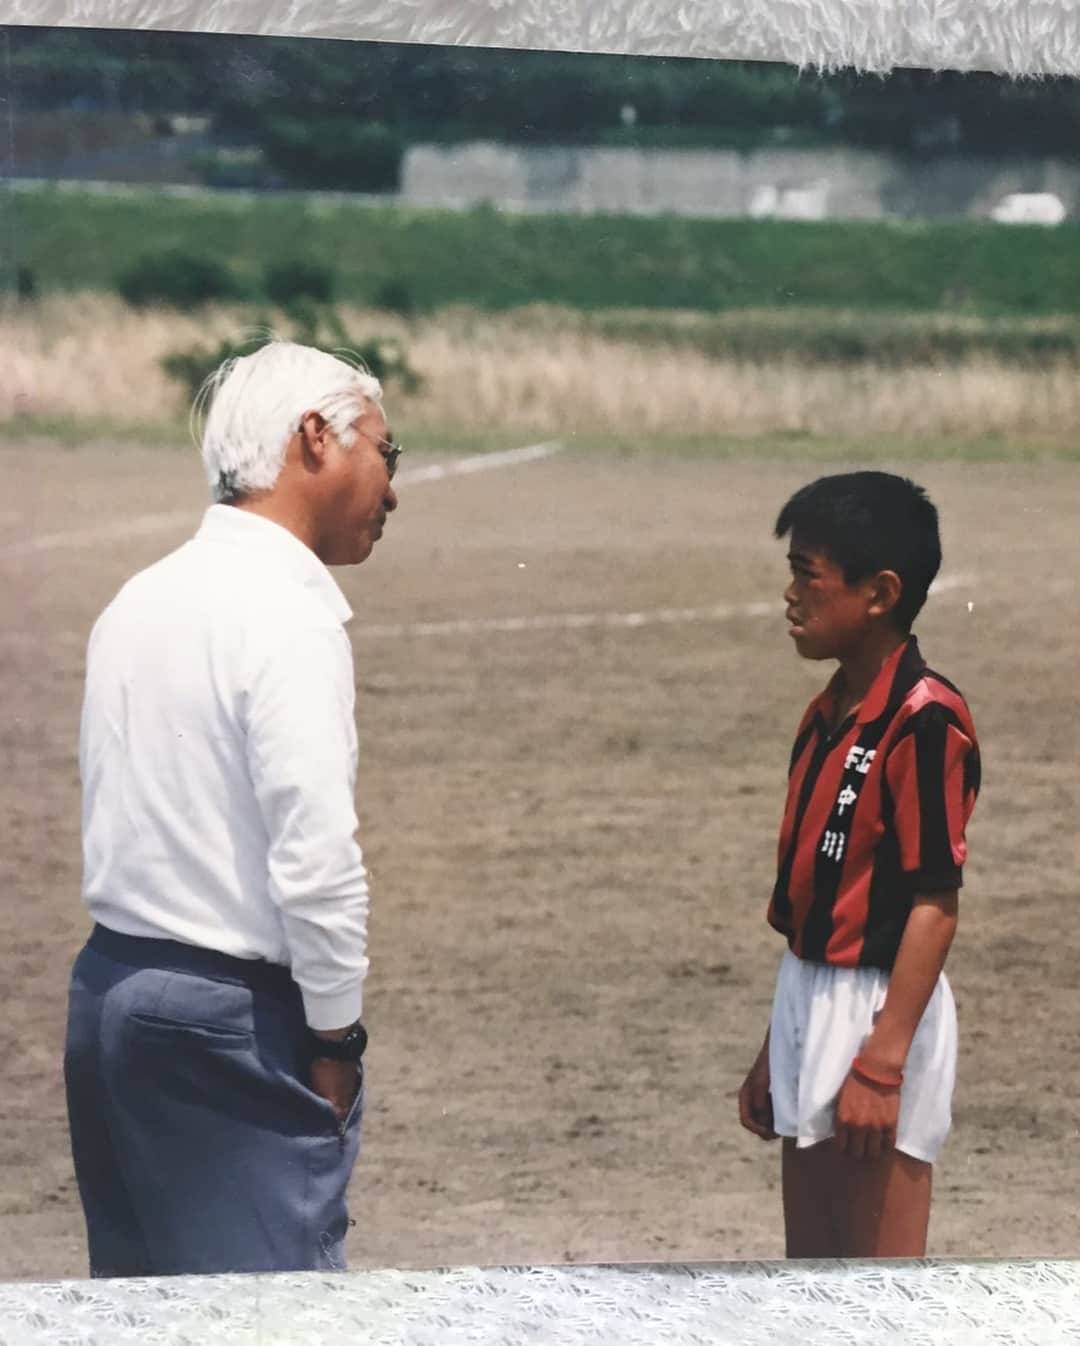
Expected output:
(828, 617)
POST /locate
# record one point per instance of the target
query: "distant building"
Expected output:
(790, 203)
(1029, 208)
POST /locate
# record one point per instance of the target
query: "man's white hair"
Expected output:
(253, 405)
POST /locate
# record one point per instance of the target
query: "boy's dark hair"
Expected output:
(870, 521)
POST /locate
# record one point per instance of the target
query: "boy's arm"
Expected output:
(755, 1101)
(932, 776)
(866, 1113)
(920, 960)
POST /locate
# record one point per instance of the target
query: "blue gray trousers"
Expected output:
(198, 1145)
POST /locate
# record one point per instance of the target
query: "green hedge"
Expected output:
(74, 240)
(829, 336)
(175, 278)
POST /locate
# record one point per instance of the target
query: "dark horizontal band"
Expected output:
(171, 955)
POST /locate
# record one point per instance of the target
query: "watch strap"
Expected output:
(349, 1048)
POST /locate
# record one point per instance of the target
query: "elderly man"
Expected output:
(213, 1061)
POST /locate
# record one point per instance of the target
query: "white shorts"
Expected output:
(821, 1017)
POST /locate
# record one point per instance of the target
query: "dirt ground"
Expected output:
(571, 830)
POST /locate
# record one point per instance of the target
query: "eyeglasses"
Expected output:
(391, 453)
(390, 449)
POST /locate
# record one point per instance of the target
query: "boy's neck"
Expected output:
(860, 668)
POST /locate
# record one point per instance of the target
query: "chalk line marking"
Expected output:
(156, 523)
(581, 621)
(481, 462)
(554, 621)
(86, 537)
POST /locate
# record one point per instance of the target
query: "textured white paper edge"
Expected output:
(1027, 1303)
(1009, 36)
(1015, 37)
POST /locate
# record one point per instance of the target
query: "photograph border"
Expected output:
(1009, 37)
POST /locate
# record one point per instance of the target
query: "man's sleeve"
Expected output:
(932, 776)
(301, 749)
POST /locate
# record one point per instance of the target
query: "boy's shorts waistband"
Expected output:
(171, 955)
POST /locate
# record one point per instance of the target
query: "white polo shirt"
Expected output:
(218, 760)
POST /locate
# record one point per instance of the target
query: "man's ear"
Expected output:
(885, 590)
(312, 432)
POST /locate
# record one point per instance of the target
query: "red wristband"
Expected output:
(871, 1076)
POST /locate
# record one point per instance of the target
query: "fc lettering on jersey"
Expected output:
(859, 759)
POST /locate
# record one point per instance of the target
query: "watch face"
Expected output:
(356, 1040)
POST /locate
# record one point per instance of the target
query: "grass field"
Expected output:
(568, 799)
(492, 260)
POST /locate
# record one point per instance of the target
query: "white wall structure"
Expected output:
(839, 183)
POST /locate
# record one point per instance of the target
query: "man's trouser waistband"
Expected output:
(170, 955)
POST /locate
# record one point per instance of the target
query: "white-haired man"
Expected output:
(213, 1059)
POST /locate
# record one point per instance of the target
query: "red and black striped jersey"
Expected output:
(875, 814)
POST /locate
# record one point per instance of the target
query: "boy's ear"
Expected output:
(885, 590)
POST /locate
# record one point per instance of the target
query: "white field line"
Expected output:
(481, 462)
(580, 621)
(87, 537)
(155, 523)
(554, 621)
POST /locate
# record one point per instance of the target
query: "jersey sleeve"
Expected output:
(932, 775)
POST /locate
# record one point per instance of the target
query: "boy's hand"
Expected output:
(755, 1101)
(866, 1118)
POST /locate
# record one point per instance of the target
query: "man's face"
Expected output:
(356, 494)
(827, 616)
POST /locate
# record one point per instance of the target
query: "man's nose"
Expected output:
(390, 499)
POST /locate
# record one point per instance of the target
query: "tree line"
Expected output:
(313, 107)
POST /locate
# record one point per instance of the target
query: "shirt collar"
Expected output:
(242, 528)
(897, 676)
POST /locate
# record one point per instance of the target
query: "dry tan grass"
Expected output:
(88, 356)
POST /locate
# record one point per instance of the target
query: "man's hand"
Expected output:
(866, 1117)
(755, 1101)
(337, 1082)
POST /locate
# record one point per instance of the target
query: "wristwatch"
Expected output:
(349, 1048)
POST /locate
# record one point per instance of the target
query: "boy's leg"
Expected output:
(883, 1204)
(838, 1206)
(808, 1175)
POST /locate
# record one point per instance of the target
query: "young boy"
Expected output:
(857, 1069)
